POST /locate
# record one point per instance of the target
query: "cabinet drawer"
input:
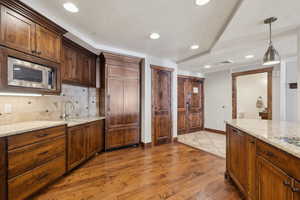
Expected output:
(25, 185)
(286, 162)
(34, 136)
(2, 157)
(23, 159)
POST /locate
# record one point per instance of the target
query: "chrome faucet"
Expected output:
(67, 112)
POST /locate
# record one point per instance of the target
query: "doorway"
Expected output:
(252, 94)
(161, 104)
(190, 104)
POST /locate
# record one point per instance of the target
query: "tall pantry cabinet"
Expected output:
(120, 99)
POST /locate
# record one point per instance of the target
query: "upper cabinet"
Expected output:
(26, 31)
(78, 64)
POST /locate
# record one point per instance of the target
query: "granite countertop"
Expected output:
(23, 127)
(281, 134)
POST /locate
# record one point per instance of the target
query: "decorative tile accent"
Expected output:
(85, 100)
(206, 141)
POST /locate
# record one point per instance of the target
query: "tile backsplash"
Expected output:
(85, 101)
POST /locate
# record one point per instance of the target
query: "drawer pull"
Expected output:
(43, 153)
(270, 154)
(295, 189)
(41, 177)
(286, 183)
(42, 135)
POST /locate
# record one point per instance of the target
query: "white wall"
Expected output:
(249, 89)
(218, 93)
(217, 104)
(291, 94)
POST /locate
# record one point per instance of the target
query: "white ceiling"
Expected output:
(127, 24)
(246, 34)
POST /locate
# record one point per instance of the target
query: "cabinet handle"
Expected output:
(286, 183)
(270, 154)
(39, 52)
(33, 51)
(108, 103)
(295, 189)
(252, 142)
(42, 135)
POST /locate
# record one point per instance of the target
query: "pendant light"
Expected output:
(271, 57)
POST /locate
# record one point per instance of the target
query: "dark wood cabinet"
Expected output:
(272, 183)
(48, 44)
(76, 146)
(261, 171)
(17, 31)
(237, 157)
(190, 104)
(78, 64)
(34, 160)
(84, 141)
(3, 188)
(120, 97)
(94, 138)
(30, 33)
(251, 164)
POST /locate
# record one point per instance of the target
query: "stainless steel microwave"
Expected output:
(30, 75)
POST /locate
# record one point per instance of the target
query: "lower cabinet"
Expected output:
(2, 169)
(261, 171)
(84, 141)
(237, 157)
(272, 183)
(115, 138)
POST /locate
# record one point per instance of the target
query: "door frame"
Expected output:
(269, 71)
(202, 96)
(171, 70)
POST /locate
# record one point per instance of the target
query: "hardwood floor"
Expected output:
(171, 171)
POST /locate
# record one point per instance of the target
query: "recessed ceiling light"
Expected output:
(154, 36)
(194, 47)
(249, 56)
(71, 7)
(207, 66)
(202, 2)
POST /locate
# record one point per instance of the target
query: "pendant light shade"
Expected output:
(272, 56)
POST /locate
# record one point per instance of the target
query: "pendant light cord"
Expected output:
(270, 33)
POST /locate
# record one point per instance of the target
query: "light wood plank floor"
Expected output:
(172, 171)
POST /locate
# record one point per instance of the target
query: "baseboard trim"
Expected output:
(215, 131)
(146, 145)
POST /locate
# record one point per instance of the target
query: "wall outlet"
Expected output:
(7, 108)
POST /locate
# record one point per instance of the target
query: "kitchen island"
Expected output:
(263, 158)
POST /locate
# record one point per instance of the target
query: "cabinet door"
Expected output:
(238, 158)
(131, 136)
(69, 63)
(93, 71)
(296, 191)
(272, 183)
(2, 169)
(17, 32)
(114, 138)
(94, 140)
(83, 64)
(251, 149)
(115, 102)
(76, 146)
(131, 102)
(48, 44)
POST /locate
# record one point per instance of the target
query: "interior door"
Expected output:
(195, 105)
(190, 105)
(182, 105)
(161, 105)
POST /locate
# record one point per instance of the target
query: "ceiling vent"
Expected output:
(226, 62)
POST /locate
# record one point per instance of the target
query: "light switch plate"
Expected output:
(7, 108)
